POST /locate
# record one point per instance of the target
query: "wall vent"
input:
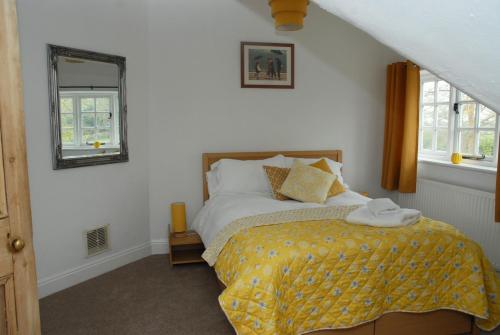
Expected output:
(97, 240)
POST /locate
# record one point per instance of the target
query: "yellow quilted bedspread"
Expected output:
(296, 277)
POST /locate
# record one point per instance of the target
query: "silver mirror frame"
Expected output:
(55, 123)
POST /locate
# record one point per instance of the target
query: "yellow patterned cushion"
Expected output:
(337, 186)
(276, 177)
(307, 184)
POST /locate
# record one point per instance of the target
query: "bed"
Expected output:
(261, 307)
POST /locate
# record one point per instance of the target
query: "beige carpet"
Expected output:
(145, 297)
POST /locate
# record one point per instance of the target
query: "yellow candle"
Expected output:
(178, 210)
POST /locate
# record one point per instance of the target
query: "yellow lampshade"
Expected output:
(288, 14)
(178, 210)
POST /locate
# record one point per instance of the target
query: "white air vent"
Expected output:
(97, 240)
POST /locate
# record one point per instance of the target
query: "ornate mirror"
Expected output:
(88, 107)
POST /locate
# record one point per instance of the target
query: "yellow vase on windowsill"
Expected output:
(456, 158)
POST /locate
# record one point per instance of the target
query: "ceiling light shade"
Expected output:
(288, 14)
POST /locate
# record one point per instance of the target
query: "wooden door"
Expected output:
(18, 292)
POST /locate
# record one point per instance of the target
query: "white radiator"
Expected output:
(471, 211)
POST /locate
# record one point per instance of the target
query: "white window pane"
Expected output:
(463, 97)
(88, 120)
(88, 136)
(467, 142)
(443, 114)
(67, 136)
(104, 135)
(102, 105)
(87, 105)
(487, 117)
(467, 115)
(428, 86)
(443, 91)
(428, 116)
(486, 143)
(442, 139)
(66, 105)
(428, 91)
(66, 120)
(103, 120)
(427, 135)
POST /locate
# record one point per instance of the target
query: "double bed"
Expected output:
(288, 267)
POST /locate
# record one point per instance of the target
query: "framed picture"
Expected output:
(267, 65)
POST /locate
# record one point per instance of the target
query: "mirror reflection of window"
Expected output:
(89, 108)
(87, 117)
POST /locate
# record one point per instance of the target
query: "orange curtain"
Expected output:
(399, 171)
(497, 193)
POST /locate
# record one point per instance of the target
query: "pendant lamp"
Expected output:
(288, 14)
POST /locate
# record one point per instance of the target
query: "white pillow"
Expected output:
(241, 176)
(334, 166)
(212, 183)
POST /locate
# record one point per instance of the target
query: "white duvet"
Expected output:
(223, 209)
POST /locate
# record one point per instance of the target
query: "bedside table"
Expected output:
(185, 248)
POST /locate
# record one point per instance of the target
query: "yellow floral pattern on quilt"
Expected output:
(297, 277)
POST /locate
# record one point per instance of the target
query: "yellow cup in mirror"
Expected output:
(456, 158)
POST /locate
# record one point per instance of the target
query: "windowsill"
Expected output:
(91, 148)
(462, 166)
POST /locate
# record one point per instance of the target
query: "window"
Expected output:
(451, 121)
(476, 128)
(435, 116)
(89, 117)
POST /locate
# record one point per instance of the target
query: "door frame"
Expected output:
(16, 170)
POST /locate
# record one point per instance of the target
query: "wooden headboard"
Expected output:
(210, 158)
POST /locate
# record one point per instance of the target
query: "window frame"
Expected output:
(454, 128)
(434, 154)
(77, 96)
(488, 161)
(73, 126)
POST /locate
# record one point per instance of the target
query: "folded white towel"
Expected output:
(382, 206)
(403, 217)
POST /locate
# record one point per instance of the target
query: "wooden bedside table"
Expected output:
(185, 248)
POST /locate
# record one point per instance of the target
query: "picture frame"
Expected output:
(267, 65)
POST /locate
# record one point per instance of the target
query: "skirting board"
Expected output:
(159, 247)
(76, 275)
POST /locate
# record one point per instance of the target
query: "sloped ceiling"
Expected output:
(458, 40)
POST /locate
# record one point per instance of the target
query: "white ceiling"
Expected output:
(458, 40)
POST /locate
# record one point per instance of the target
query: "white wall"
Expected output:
(478, 179)
(67, 202)
(197, 105)
(87, 73)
